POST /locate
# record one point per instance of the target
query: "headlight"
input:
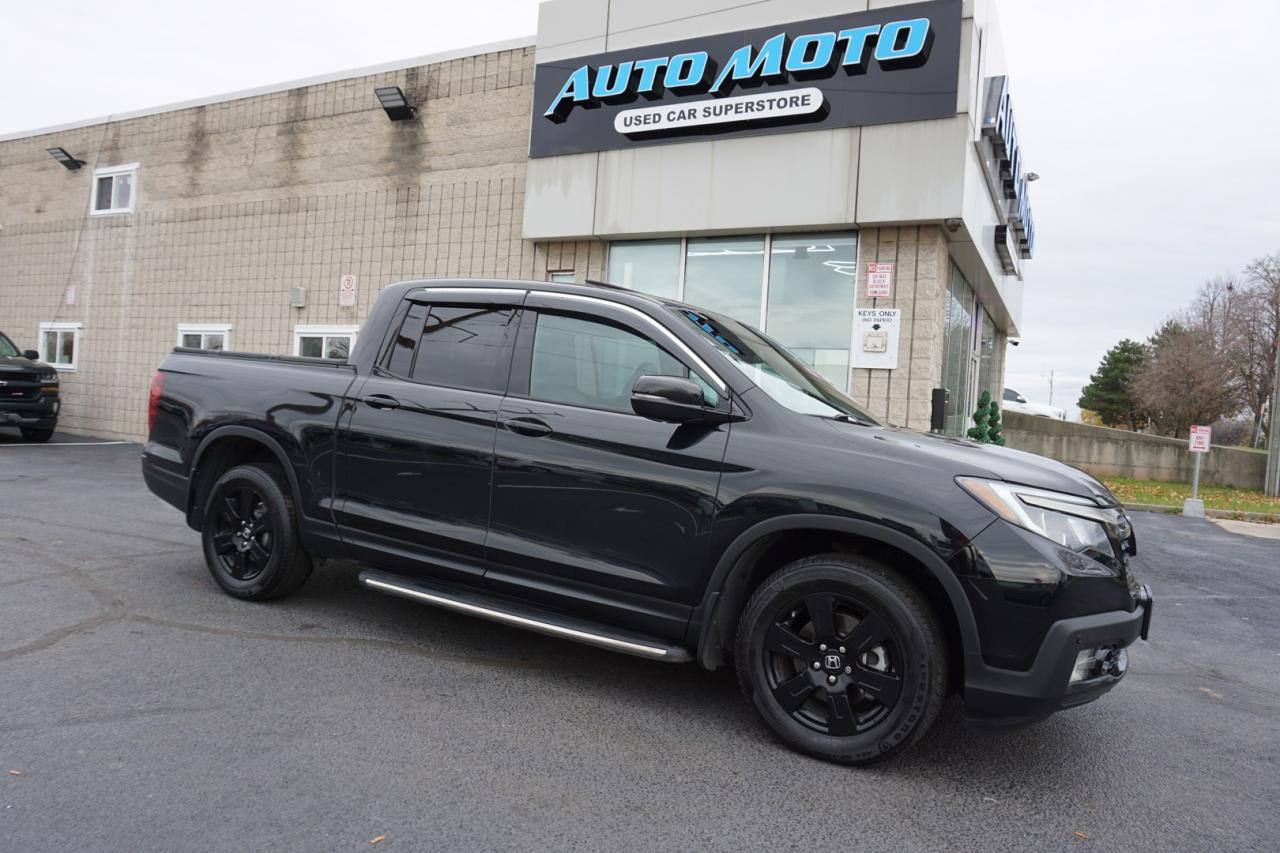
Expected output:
(49, 377)
(1077, 524)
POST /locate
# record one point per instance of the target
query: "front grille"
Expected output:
(19, 385)
(10, 392)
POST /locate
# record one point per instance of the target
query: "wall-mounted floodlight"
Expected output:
(394, 103)
(61, 155)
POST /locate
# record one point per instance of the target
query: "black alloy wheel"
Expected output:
(842, 657)
(833, 664)
(250, 534)
(243, 535)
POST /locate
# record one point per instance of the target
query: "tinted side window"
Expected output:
(465, 346)
(593, 364)
(1010, 394)
(400, 361)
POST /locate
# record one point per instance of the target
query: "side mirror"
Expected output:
(673, 399)
(31, 354)
(1021, 399)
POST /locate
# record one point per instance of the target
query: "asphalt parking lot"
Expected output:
(144, 710)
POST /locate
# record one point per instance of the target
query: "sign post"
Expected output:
(1198, 443)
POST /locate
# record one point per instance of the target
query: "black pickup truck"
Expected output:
(29, 398)
(655, 479)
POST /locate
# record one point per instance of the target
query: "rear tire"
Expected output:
(843, 658)
(250, 534)
(36, 436)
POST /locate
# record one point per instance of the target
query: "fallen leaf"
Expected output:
(378, 839)
(1080, 835)
(15, 772)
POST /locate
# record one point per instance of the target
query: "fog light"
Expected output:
(1086, 663)
(1093, 663)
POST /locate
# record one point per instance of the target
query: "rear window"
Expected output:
(459, 346)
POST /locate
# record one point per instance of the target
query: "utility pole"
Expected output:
(1051, 387)
(1271, 483)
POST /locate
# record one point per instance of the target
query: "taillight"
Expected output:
(153, 402)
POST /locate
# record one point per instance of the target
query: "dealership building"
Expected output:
(844, 174)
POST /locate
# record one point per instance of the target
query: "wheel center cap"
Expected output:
(832, 662)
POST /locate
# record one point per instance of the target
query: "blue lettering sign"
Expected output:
(903, 42)
(577, 88)
(811, 53)
(900, 44)
(741, 66)
(686, 69)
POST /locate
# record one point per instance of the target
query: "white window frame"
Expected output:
(313, 331)
(75, 329)
(203, 329)
(130, 169)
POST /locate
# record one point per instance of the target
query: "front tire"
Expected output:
(842, 658)
(250, 534)
(36, 436)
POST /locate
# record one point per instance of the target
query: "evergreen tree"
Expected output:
(981, 430)
(995, 430)
(1108, 392)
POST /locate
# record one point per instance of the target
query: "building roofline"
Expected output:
(272, 88)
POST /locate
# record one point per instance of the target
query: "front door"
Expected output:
(418, 449)
(595, 507)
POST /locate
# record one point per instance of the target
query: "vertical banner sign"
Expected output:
(347, 291)
(875, 338)
(1200, 438)
(71, 294)
(879, 281)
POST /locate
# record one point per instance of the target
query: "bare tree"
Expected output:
(1241, 319)
(1258, 337)
(1181, 382)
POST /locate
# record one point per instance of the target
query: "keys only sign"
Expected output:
(875, 338)
(885, 65)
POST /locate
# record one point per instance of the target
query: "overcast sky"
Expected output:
(1155, 125)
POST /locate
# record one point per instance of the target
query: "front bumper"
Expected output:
(38, 413)
(1001, 698)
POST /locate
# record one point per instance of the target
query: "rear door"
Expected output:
(418, 447)
(594, 507)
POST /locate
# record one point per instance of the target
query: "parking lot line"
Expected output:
(66, 444)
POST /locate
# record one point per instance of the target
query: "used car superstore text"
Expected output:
(742, 108)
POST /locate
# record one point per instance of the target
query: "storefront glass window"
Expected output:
(957, 365)
(726, 274)
(812, 279)
(651, 266)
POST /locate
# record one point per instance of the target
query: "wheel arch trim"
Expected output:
(239, 431)
(706, 648)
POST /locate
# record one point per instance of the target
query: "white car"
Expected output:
(1015, 402)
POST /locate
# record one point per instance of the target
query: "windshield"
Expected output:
(7, 349)
(781, 375)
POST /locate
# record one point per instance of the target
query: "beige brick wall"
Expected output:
(238, 202)
(919, 255)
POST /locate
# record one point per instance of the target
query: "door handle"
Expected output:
(531, 427)
(381, 401)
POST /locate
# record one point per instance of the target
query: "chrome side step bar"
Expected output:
(522, 616)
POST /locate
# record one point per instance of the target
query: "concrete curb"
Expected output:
(1260, 517)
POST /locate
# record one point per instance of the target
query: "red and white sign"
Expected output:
(347, 291)
(879, 280)
(1200, 438)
